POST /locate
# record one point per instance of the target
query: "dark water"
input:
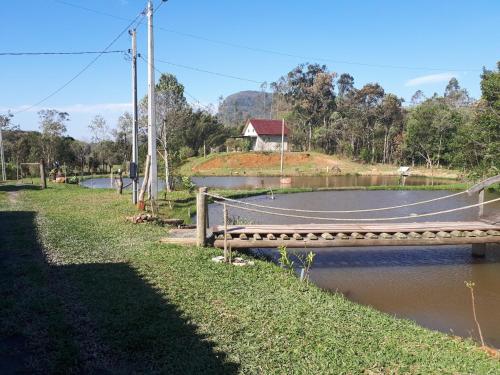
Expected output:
(243, 182)
(425, 284)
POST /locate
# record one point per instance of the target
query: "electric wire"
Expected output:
(185, 91)
(275, 52)
(85, 68)
(59, 53)
(208, 71)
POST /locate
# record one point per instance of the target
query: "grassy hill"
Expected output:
(296, 164)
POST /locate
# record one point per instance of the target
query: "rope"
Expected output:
(363, 219)
(332, 212)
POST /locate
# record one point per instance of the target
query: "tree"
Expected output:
(52, 126)
(430, 128)
(100, 134)
(310, 91)
(454, 95)
(345, 84)
(99, 129)
(391, 120)
(477, 142)
(418, 97)
(367, 101)
(170, 111)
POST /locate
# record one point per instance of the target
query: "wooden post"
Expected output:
(225, 233)
(43, 178)
(481, 200)
(201, 215)
(120, 182)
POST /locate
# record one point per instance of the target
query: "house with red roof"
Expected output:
(266, 134)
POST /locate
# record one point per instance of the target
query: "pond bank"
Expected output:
(125, 303)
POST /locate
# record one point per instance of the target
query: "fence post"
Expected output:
(201, 217)
(43, 178)
(480, 201)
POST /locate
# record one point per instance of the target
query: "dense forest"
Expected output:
(371, 125)
(325, 111)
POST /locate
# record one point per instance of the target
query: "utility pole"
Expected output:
(134, 170)
(2, 159)
(153, 188)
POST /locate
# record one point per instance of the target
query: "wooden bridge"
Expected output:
(359, 232)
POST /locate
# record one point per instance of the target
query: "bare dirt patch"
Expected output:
(13, 196)
(300, 163)
(260, 161)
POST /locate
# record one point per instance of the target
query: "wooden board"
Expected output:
(360, 228)
(291, 243)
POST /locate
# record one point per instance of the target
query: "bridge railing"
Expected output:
(479, 189)
(202, 208)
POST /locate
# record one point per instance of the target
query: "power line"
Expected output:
(85, 68)
(303, 57)
(187, 93)
(208, 71)
(278, 53)
(59, 53)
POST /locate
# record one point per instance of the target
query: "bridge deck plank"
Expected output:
(362, 228)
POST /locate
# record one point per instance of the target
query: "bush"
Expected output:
(186, 152)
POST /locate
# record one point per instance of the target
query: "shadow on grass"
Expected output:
(90, 318)
(20, 187)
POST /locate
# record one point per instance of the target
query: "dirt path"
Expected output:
(13, 197)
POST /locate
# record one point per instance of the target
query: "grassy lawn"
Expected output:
(84, 291)
(296, 164)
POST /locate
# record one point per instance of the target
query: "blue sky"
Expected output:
(403, 45)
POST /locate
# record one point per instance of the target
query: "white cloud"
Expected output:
(77, 108)
(431, 78)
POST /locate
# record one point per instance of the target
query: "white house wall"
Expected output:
(269, 143)
(250, 131)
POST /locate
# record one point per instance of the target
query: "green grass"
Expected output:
(90, 292)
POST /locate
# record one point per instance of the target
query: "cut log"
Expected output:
(400, 236)
(442, 234)
(479, 233)
(327, 236)
(428, 235)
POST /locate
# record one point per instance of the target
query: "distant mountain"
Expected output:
(239, 107)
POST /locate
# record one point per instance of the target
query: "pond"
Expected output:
(247, 182)
(424, 284)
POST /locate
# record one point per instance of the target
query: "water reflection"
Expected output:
(244, 182)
